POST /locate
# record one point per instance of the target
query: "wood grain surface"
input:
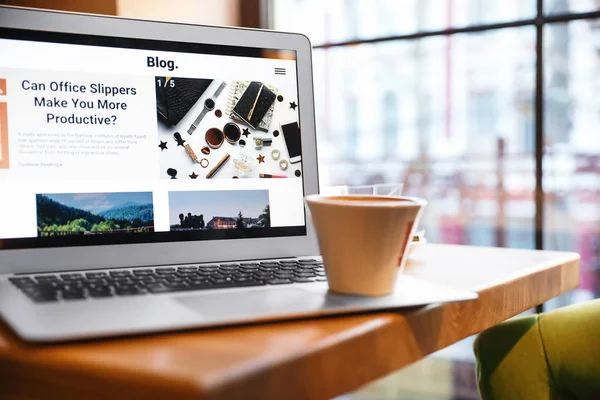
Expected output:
(316, 358)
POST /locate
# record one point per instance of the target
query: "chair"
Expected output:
(549, 356)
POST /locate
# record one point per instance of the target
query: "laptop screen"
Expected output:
(107, 140)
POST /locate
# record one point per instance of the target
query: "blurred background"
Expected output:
(487, 108)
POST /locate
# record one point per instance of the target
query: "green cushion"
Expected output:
(550, 356)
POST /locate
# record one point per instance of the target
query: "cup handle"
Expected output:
(406, 241)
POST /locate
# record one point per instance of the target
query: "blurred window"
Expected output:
(390, 120)
(570, 6)
(451, 85)
(441, 95)
(333, 21)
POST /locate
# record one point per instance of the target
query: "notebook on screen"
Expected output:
(254, 104)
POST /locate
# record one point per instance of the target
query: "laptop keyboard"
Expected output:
(144, 281)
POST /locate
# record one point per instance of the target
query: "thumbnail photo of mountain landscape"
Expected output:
(94, 213)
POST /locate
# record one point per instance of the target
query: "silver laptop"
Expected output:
(152, 178)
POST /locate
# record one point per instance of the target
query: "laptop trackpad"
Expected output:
(217, 306)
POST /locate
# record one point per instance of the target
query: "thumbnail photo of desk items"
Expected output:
(216, 129)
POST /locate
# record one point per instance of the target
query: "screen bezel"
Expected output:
(140, 254)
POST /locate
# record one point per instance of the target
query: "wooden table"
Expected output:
(318, 358)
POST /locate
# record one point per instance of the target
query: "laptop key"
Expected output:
(319, 279)
(100, 279)
(158, 288)
(165, 271)
(208, 267)
(33, 291)
(287, 270)
(243, 279)
(47, 278)
(279, 281)
(45, 286)
(168, 288)
(25, 285)
(184, 269)
(307, 266)
(197, 281)
(191, 286)
(21, 280)
(144, 278)
(49, 285)
(304, 275)
(91, 275)
(307, 261)
(128, 292)
(269, 264)
(263, 275)
(228, 270)
(72, 286)
(125, 285)
(105, 292)
(232, 284)
(72, 295)
(220, 280)
(71, 276)
(98, 287)
(302, 280)
(185, 274)
(119, 274)
(143, 272)
(241, 275)
(249, 267)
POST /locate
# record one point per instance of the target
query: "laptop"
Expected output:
(153, 179)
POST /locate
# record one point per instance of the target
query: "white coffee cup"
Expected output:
(364, 240)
